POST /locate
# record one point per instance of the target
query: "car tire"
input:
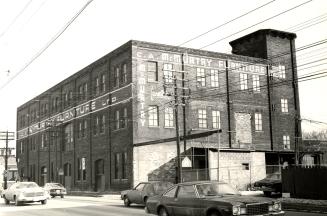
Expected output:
(163, 211)
(127, 202)
(267, 193)
(6, 201)
(62, 196)
(213, 213)
(145, 200)
(53, 196)
(17, 203)
(43, 202)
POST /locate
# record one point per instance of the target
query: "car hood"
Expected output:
(267, 181)
(239, 199)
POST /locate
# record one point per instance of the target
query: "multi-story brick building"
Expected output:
(112, 124)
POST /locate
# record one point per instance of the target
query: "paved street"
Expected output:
(77, 206)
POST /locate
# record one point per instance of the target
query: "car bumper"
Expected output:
(32, 199)
(57, 193)
(281, 213)
(263, 188)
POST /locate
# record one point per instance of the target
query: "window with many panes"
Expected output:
(256, 83)
(124, 75)
(284, 105)
(244, 81)
(215, 119)
(281, 71)
(117, 164)
(81, 172)
(214, 78)
(169, 117)
(69, 137)
(286, 142)
(168, 73)
(200, 77)
(202, 118)
(258, 121)
(153, 116)
(117, 120)
(124, 165)
(152, 71)
(116, 76)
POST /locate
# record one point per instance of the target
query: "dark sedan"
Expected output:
(210, 198)
(271, 184)
(143, 191)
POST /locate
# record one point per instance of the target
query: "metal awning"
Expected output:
(187, 137)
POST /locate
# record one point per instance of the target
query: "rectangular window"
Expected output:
(69, 137)
(281, 72)
(153, 116)
(42, 141)
(168, 73)
(85, 91)
(124, 75)
(21, 147)
(117, 164)
(202, 117)
(152, 71)
(81, 175)
(84, 130)
(117, 120)
(124, 165)
(286, 142)
(124, 118)
(80, 92)
(216, 119)
(103, 83)
(258, 121)
(95, 125)
(102, 124)
(169, 117)
(256, 83)
(284, 105)
(244, 81)
(116, 77)
(245, 166)
(214, 78)
(200, 77)
(97, 86)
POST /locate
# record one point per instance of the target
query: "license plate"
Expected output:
(57, 191)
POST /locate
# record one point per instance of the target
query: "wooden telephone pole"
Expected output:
(5, 135)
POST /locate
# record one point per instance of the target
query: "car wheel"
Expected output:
(127, 203)
(53, 196)
(213, 213)
(62, 196)
(17, 203)
(267, 193)
(43, 202)
(163, 212)
(145, 200)
(6, 201)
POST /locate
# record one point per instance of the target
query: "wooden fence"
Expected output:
(305, 182)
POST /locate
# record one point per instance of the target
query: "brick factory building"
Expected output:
(112, 124)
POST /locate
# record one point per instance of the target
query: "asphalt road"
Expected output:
(88, 206)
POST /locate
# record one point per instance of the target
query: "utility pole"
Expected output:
(6, 136)
(179, 167)
(169, 84)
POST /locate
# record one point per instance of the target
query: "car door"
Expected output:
(187, 202)
(168, 199)
(135, 195)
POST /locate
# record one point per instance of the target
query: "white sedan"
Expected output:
(25, 192)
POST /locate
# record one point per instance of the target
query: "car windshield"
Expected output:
(55, 185)
(274, 176)
(215, 189)
(27, 185)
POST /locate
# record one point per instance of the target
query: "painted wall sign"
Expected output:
(247, 67)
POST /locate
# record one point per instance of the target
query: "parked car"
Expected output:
(210, 198)
(55, 189)
(24, 192)
(144, 190)
(271, 184)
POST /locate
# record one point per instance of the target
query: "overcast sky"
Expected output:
(27, 26)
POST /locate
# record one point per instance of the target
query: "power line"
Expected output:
(15, 19)
(47, 45)
(230, 21)
(265, 20)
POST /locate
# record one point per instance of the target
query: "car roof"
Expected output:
(201, 182)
